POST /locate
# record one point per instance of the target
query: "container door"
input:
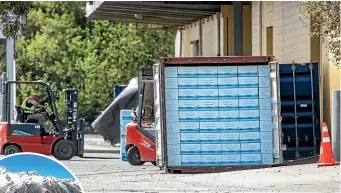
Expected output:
(276, 112)
(158, 134)
(299, 88)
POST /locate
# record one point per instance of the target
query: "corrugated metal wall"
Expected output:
(300, 109)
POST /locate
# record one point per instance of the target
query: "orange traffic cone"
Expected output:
(326, 151)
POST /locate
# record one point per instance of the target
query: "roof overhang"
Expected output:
(170, 13)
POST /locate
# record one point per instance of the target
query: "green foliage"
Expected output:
(11, 13)
(325, 22)
(61, 47)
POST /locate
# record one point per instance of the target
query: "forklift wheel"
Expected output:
(133, 156)
(11, 149)
(64, 150)
(154, 163)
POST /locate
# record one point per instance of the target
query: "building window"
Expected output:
(195, 47)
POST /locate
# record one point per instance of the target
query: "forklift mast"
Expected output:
(75, 126)
(145, 112)
(146, 95)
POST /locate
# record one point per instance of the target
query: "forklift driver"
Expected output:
(32, 108)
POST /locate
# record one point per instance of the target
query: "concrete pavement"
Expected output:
(94, 143)
(106, 173)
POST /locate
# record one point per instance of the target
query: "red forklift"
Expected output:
(65, 139)
(140, 134)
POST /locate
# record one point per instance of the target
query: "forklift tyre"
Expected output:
(11, 149)
(133, 156)
(154, 163)
(64, 150)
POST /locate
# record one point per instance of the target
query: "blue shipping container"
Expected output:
(300, 109)
(118, 89)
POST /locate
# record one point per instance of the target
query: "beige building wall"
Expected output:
(209, 37)
(190, 33)
(331, 81)
(210, 33)
(291, 42)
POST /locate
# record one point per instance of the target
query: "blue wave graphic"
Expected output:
(207, 86)
(249, 118)
(188, 86)
(250, 130)
(230, 152)
(229, 119)
(189, 141)
(189, 119)
(249, 107)
(127, 118)
(207, 75)
(228, 97)
(223, 75)
(248, 85)
(247, 74)
(228, 86)
(187, 75)
(190, 152)
(208, 97)
(248, 96)
(230, 141)
(188, 108)
(227, 108)
(211, 152)
(208, 108)
(209, 130)
(191, 163)
(209, 119)
(229, 130)
(189, 130)
(250, 140)
(210, 141)
(189, 97)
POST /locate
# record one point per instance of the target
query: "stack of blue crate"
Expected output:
(125, 118)
(218, 115)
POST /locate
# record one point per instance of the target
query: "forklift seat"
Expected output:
(20, 117)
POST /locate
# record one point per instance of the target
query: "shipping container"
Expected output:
(118, 89)
(300, 110)
(246, 135)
